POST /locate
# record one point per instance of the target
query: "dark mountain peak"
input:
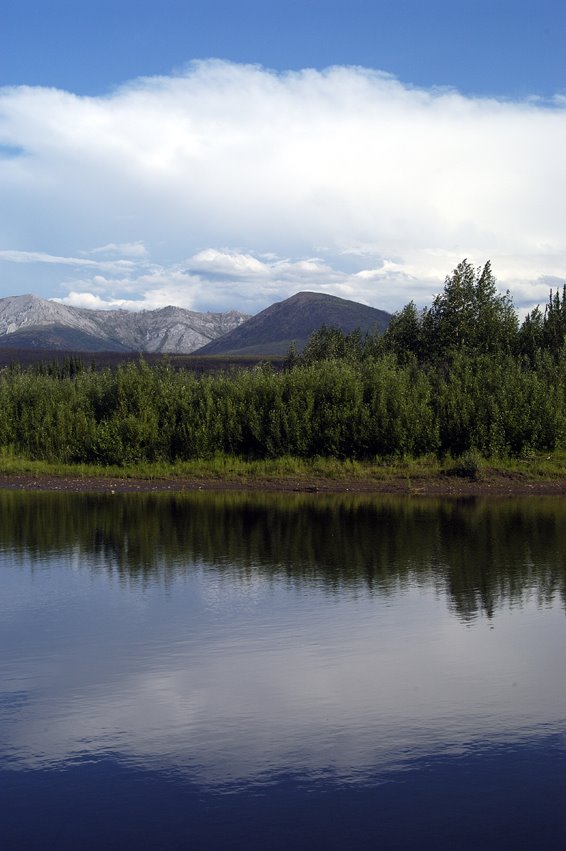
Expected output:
(308, 295)
(294, 319)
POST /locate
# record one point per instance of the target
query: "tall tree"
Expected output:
(404, 335)
(470, 315)
(554, 332)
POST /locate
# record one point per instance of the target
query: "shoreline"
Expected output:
(435, 485)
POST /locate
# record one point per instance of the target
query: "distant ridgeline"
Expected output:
(31, 323)
(460, 376)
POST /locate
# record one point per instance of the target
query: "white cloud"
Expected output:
(129, 249)
(54, 260)
(214, 280)
(229, 264)
(345, 181)
(94, 302)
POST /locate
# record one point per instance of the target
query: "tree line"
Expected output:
(468, 318)
(461, 375)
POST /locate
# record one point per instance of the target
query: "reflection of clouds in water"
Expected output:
(224, 590)
(335, 644)
(349, 694)
(168, 723)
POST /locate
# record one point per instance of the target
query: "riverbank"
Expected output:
(545, 475)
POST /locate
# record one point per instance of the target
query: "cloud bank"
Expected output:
(231, 186)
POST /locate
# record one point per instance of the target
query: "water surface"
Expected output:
(231, 671)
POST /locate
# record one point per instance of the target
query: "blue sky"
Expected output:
(501, 47)
(135, 171)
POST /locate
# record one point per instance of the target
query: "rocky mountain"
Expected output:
(28, 321)
(272, 330)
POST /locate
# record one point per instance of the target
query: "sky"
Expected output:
(226, 154)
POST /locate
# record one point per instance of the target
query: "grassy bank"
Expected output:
(542, 467)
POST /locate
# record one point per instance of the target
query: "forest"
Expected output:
(462, 375)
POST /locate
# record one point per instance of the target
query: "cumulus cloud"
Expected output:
(230, 186)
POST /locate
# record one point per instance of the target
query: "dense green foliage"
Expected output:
(460, 376)
(468, 316)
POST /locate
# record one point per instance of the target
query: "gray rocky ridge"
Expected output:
(28, 318)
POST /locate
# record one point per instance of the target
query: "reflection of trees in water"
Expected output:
(483, 553)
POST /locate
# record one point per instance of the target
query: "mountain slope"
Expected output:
(272, 331)
(58, 338)
(33, 322)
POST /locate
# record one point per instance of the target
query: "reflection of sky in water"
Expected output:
(230, 678)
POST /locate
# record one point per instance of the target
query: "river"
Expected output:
(232, 671)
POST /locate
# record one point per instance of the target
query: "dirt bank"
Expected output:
(438, 485)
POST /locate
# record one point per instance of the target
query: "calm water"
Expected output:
(230, 672)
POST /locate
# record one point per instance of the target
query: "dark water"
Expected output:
(232, 672)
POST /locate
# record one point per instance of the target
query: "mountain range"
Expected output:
(30, 322)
